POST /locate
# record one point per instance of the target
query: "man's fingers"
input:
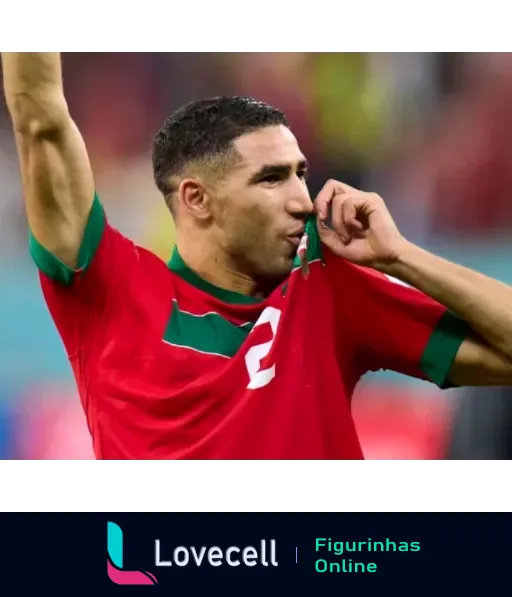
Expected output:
(338, 221)
(323, 199)
(354, 227)
(331, 189)
(346, 188)
(352, 224)
(328, 236)
(346, 222)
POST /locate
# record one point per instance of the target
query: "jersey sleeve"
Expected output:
(393, 326)
(80, 299)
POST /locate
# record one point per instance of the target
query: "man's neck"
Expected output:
(217, 269)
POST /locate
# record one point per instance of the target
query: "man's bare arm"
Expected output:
(364, 232)
(484, 358)
(56, 174)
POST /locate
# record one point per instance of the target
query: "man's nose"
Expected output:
(300, 203)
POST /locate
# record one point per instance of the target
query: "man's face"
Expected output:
(262, 203)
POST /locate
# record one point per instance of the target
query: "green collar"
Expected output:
(179, 267)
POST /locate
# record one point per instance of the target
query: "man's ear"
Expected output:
(195, 198)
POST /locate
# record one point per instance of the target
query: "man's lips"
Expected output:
(295, 237)
(294, 240)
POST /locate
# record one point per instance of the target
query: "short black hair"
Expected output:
(206, 129)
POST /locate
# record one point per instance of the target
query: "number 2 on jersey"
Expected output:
(256, 354)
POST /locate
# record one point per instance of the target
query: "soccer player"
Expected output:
(249, 343)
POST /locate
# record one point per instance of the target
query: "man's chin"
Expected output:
(280, 270)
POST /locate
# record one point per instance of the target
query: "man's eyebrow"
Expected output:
(276, 170)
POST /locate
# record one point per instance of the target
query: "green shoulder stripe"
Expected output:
(52, 267)
(442, 348)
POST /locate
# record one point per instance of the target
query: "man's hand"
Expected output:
(364, 233)
(363, 230)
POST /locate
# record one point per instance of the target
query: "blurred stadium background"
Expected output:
(430, 132)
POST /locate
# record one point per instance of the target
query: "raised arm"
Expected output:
(56, 175)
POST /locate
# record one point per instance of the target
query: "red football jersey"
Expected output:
(169, 366)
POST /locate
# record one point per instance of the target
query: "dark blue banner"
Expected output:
(236, 554)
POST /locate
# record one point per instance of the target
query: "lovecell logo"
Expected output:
(116, 571)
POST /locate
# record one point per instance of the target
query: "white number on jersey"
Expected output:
(255, 354)
(432, 493)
